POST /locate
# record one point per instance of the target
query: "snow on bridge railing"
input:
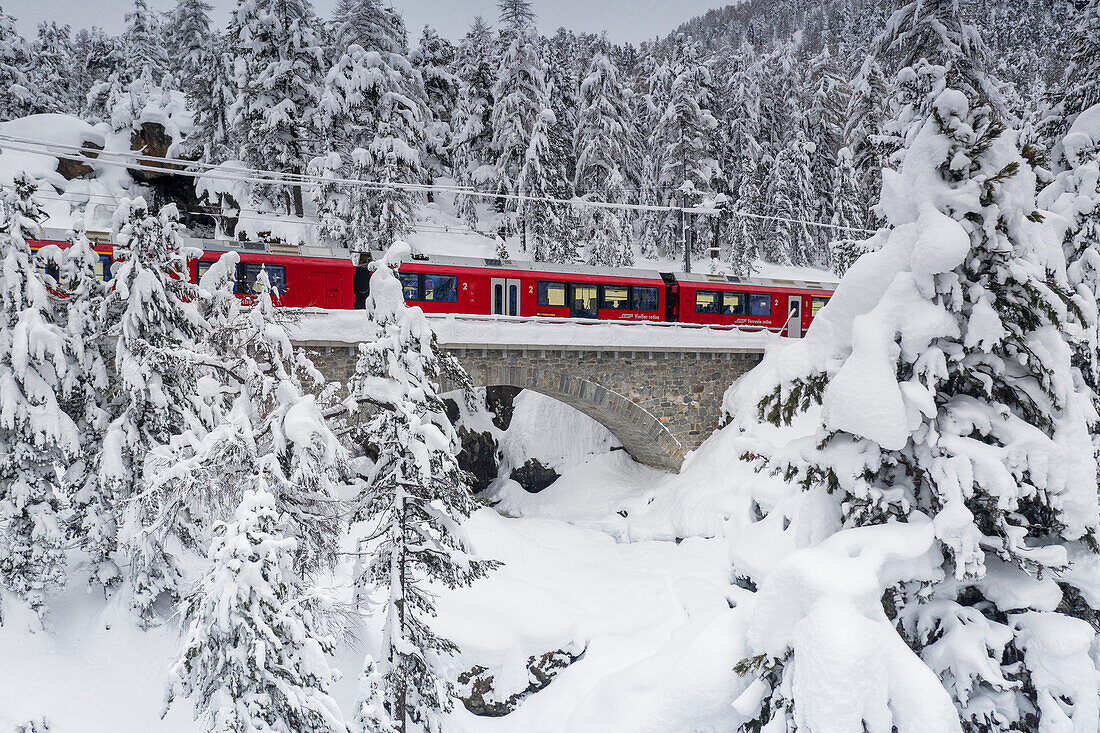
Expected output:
(318, 326)
(600, 322)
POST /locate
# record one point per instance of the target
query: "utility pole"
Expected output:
(684, 231)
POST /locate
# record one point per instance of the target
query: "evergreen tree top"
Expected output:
(515, 16)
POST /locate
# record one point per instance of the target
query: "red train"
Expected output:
(438, 284)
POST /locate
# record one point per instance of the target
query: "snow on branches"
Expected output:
(413, 500)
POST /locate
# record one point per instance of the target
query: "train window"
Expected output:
(708, 301)
(202, 266)
(644, 298)
(615, 297)
(584, 297)
(103, 268)
(816, 304)
(733, 304)
(760, 305)
(551, 294)
(247, 272)
(410, 285)
(441, 288)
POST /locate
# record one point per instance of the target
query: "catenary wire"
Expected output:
(135, 160)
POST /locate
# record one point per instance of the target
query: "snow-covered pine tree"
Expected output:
(563, 56)
(144, 45)
(373, 100)
(741, 127)
(269, 429)
(16, 94)
(368, 24)
(331, 198)
(537, 218)
(788, 239)
(847, 215)
(433, 59)
(189, 36)
(1075, 159)
(744, 232)
(414, 499)
(519, 96)
(37, 436)
(471, 123)
(685, 136)
(198, 62)
(255, 653)
(277, 64)
(1074, 195)
(864, 118)
(1082, 83)
(826, 104)
(153, 314)
(606, 147)
(51, 70)
(934, 30)
(86, 390)
(98, 60)
(947, 398)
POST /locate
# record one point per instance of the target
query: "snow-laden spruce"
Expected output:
(153, 313)
(1074, 195)
(277, 70)
(268, 432)
(520, 96)
(373, 109)
(37, 437)
(412, 502)
(254, 657)
(683, 139)
(606, 149)
(434, 58)
(940, 384)
(471, 120)
(87, 390)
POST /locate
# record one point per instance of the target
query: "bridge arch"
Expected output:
(644, 437)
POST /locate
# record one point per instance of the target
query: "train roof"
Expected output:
(275, 248)
(527, 266)
(220, 245)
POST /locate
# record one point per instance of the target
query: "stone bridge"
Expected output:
(659, 401)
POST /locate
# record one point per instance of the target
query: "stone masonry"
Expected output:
(660, 403)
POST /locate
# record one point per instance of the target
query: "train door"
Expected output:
(317, 289)
(332, 290)
(504, 296)
(794, 316)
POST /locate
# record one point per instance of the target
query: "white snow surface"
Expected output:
(350, 327)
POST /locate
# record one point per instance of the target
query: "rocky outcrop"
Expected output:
(478, 457)
(71, 169)
(477, 693)
(533, 476)
(501, 402)
(152, 140)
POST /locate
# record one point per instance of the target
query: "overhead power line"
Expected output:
(136, 161)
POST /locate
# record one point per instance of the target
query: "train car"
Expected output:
(782, 306)
(58, 237)
(465, 285)
(300, 276)
(311, 277)
(324, 278)
(440, 284)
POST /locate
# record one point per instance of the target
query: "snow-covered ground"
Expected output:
(628, 565)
